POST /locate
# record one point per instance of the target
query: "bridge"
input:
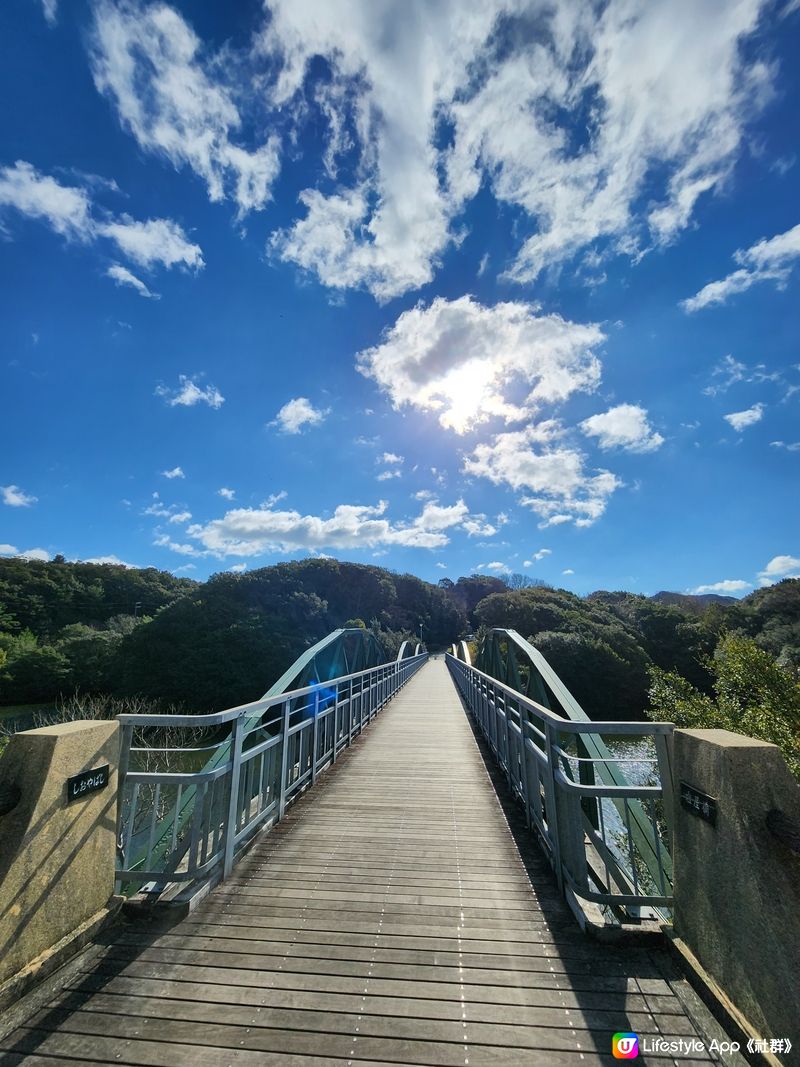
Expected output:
(412, 862)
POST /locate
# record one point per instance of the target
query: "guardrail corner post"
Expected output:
(237, 731)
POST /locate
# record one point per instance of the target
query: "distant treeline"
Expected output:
(110, 629)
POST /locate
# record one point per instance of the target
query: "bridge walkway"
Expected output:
(389, 919)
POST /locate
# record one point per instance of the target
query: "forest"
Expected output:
(91, 629)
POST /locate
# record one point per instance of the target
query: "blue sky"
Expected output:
(446, 287)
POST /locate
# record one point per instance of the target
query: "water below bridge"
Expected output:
(390, 918)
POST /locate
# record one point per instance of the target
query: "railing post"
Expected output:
(122, 774)
(233, 800)
(284, 758)
(314, 738)
(552, 809)
(664, 747)
(335, 751)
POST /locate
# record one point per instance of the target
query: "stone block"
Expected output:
(57, 855)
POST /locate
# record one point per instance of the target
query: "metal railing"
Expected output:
(276, 747)
(599, 852)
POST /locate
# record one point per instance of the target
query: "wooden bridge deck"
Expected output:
(389, 919)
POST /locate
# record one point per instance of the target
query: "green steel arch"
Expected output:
(342, 652)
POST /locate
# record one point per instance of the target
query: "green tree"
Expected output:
(753, 695)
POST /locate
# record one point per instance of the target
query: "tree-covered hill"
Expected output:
(46, 597)
(98, 628)
(237, 633)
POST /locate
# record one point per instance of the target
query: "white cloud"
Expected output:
(386, 476)
(65, 209)
(170, 95)
(461, 359)
(275, 498)
(564, 491)
(297, 413)
(477, 526)
(29, 553)
(180, 516)
(537, 557)
(779, 567)
(50, 11)
(255, 531)
(770, 259)
(728, 586)
(112, 560)
(390, 458)
(164, 541)
(793, 446)
(156, 242)
(176, 472)
(441, 566)
(496, 566)
(122, 276)
(596, 122)
(189, 393)
(40, 554)
(68, 211)
(569, 570)
(238, 568)
(15, 497)
(624, 426)
(227, 494)
(740, 420)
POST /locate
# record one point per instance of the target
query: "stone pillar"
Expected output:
(737, 885)
(57, 851)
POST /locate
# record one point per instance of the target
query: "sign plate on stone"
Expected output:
(81, 785)
(699, 804)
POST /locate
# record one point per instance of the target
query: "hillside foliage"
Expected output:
(100, 628)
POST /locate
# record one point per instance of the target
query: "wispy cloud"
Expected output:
(14, 497)
(768, 260)
(68, 210)
(189, 393)
(227, 494)
(176, 472)
(50, 11)
(536, 557)
(740, 420)
(169, 94)
(122, 276)
(156, 242)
